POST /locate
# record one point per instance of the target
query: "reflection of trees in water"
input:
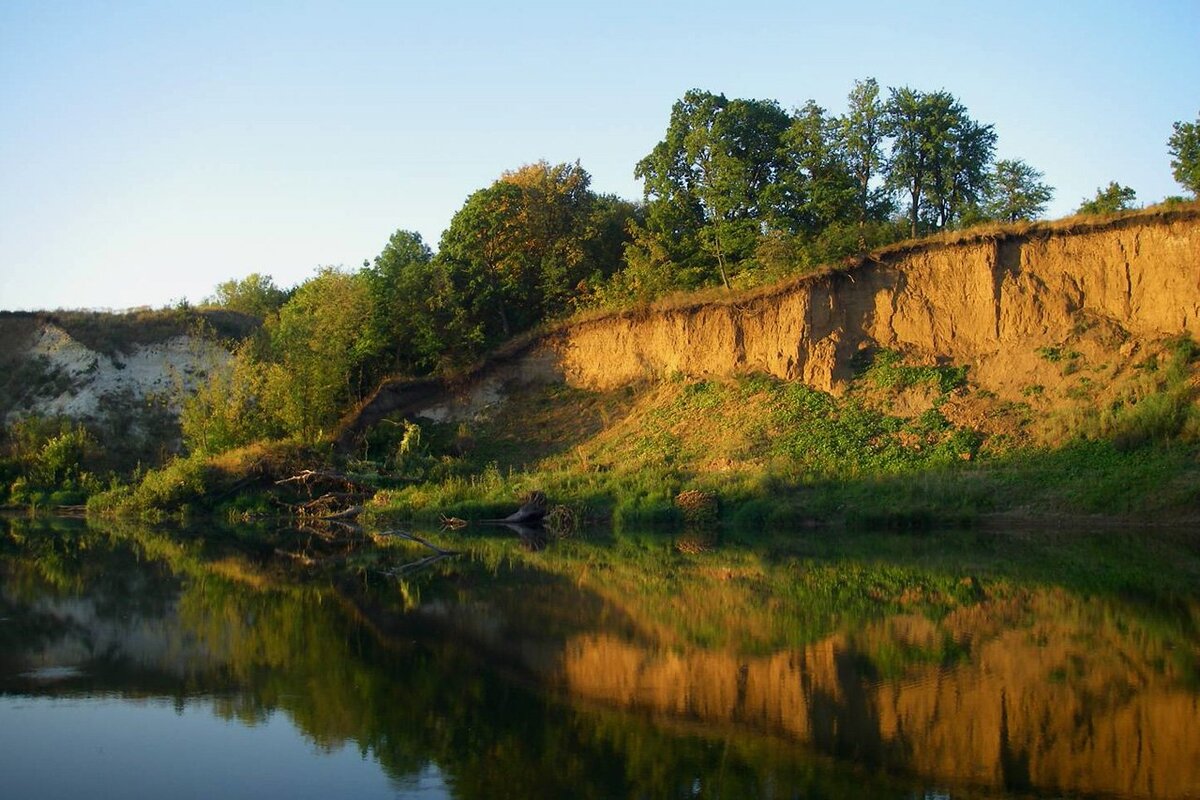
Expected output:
(1007, 691)
(397, 686)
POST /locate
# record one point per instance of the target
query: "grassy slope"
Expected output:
(907, 446)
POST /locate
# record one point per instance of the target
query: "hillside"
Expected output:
(1040, 369)
(1039, 311)
(1044, 367)
(122, 375)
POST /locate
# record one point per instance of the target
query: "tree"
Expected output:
(1184, 146)
(1016, 192)
(962, 180)
(229, 408)
(939, 156)
(255, 294)
(816, 187)
(862, 135)
(404, 311)
(707, 182)
(319, 345)
(524, 249)
(1109, 200)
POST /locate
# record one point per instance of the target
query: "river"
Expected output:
(250, 662)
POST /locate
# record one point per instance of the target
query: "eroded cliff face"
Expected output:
(986, 303)
(1107, 290)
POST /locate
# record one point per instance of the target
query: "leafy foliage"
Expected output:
(1017, 192)
(708, 183)
(524, 250)
(1109, 200)
(256, 295)
(1184, 146)
(47, 461)
(940, 156)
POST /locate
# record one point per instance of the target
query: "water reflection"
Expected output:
(629, 669)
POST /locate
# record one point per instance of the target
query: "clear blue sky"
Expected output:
(151, 150)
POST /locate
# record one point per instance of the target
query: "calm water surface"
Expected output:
(239, 663)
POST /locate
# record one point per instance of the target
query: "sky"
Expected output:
(149, 151)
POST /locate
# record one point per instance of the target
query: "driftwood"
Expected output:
(531, 512)
(308, 476)
(346, 513)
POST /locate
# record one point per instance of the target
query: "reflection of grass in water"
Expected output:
(794, 589)
(894, 658)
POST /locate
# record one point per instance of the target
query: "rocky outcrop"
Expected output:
(129, 396)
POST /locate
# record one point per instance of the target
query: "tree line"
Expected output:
(737, 192)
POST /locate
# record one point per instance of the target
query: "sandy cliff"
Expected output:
(980, 302)
(1102, 289)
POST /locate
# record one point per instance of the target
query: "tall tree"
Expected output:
(939, 156)
(907, 123)
(816, 187)
(319, 345)
(862, 133)
(1184, 146)
(404, 311)
(1109, 200)
(709, 177)
(962, 179)
(522, 249)
(1017, 192)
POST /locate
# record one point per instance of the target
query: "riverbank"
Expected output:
(906, 446)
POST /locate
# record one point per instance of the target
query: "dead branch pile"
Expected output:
(330, 495)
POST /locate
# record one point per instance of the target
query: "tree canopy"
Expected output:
(256, 295)
(708, 181)
(940, 156)
(1109, 200)
(1016, 192)
(1184, 146)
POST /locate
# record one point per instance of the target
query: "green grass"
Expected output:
(774, 453)
(797, 456)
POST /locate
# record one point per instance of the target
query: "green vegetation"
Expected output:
(769, 452)
(255, 295)
(237, 484)
(1016, 192)
(738, 192)
(1184, 146)
(47, 462)
(784, 453)
(1110, 200)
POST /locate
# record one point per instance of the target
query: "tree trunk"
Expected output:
(720, 258)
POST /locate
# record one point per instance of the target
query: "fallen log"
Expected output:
(531, 512)
(346, 513)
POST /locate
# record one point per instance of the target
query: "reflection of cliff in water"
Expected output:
(1034, 689)
(1042, 692)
